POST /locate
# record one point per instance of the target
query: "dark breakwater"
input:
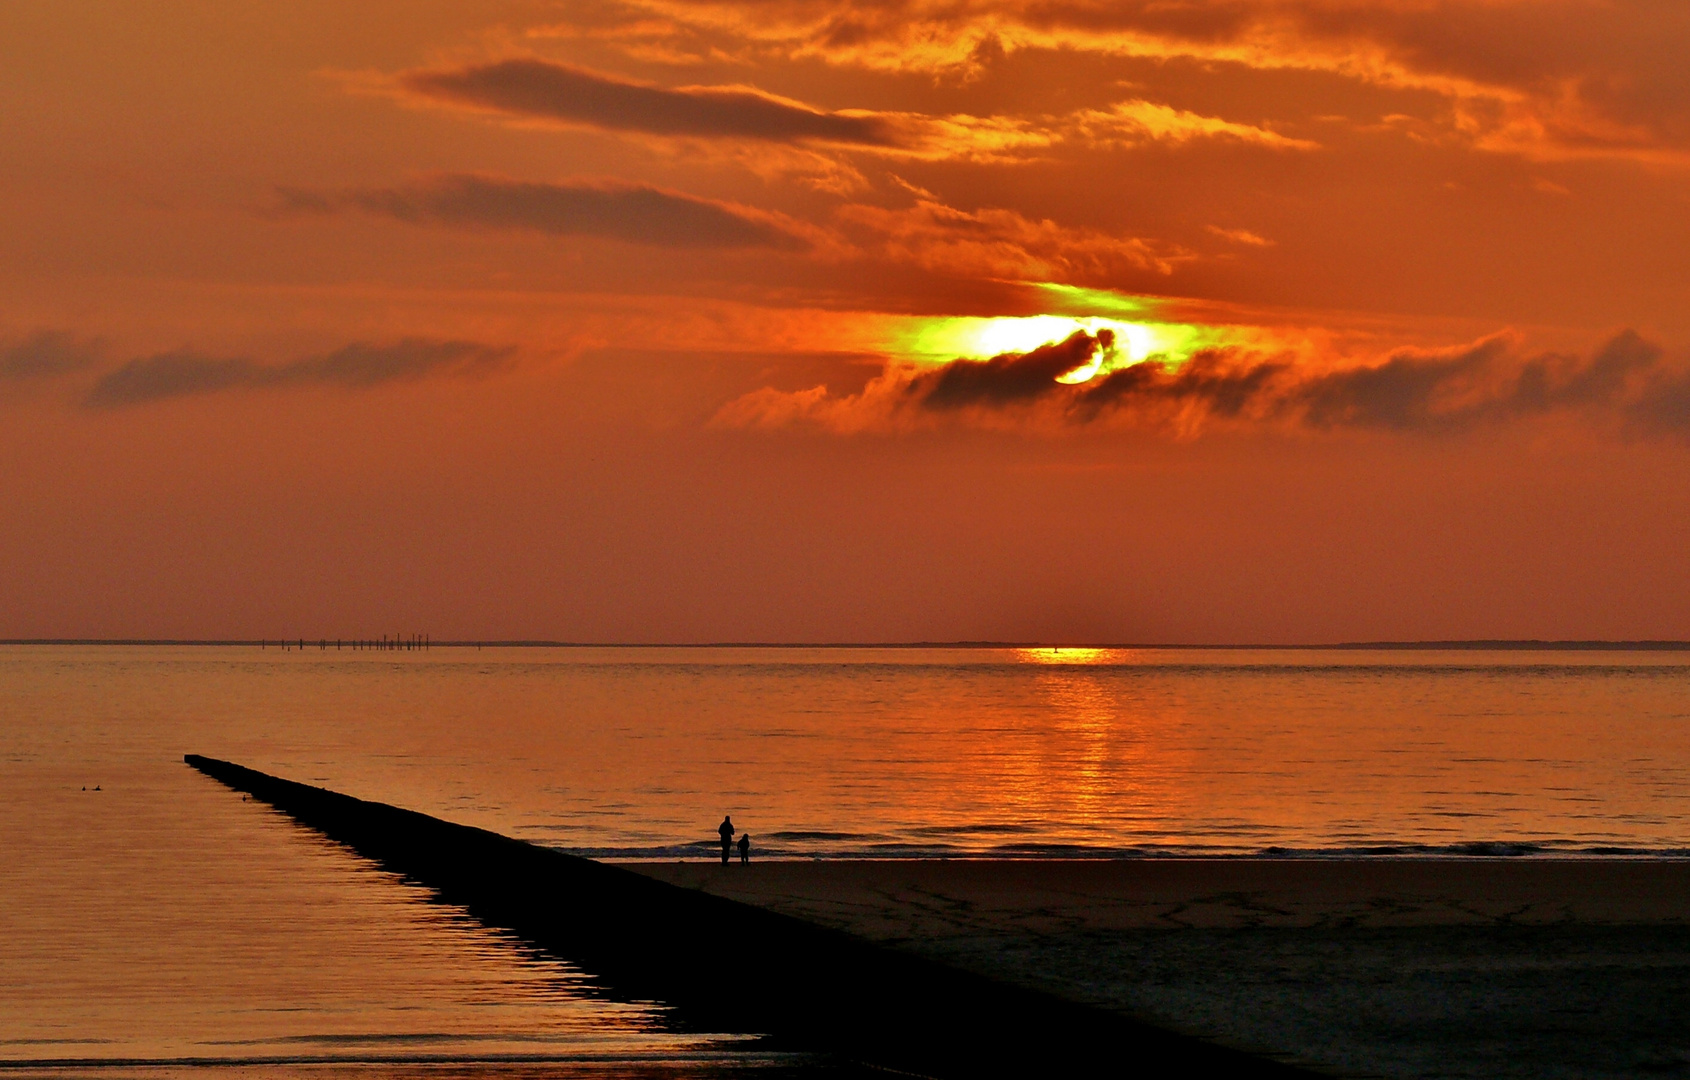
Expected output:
(733, 967)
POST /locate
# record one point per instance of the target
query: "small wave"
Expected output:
(824, 849)
(971, 830)
(1046, 850)
(694, 850)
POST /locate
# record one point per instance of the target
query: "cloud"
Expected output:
(1000, 243)
(1665, 408)
(1209, 384)
(539, 89)
(534, 89)
(1414, 390)
(1130, 123)
(1543, 79)
(1123, 125)
(1409, 390)
(1010, 377)
(989, 242)
(1625, 384)
(634, 213)
(46, 354)
(1240, 236)
(183, 373)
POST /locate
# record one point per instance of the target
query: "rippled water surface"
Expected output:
(161, 918)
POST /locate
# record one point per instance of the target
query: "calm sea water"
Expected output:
(162, 919)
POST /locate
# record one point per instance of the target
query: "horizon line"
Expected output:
(1453, 644)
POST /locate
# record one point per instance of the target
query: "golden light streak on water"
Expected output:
(1071, 654)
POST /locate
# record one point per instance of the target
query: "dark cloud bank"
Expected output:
(635, 213)
(539, 89)
(46, 354)
(1413, 390)
(183, 373)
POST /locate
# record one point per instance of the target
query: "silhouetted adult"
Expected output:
(745, 848)
(726, 829)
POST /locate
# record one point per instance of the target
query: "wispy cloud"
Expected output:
(993, 242)
(531, 89)
(184, 373)
(539, 89)
(46, 354)
(1132, 123)
(1545, 80)
(634, 213)
(1625, 383)
(989, 242)
(1240, 236)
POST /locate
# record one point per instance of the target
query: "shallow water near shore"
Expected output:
(159, 919)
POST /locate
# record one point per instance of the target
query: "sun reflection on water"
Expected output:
(1072, 654)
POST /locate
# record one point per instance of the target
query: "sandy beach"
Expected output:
(1404, 968)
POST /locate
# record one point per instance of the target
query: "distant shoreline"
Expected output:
(1479, 645)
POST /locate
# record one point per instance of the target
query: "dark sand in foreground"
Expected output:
(1403, 968)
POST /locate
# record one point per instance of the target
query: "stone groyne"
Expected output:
(728, 966)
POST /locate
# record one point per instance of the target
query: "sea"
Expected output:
(156, 924)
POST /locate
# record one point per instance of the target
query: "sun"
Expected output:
(941, 340)
(1138, 334)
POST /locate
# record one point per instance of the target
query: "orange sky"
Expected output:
(672, 320)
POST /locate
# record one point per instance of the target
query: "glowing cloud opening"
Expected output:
(942, 340)
(1138, 334)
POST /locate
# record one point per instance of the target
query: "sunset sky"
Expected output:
(807, 320)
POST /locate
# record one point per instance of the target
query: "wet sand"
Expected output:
(1403, 968)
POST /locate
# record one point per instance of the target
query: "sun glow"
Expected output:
(943, 339)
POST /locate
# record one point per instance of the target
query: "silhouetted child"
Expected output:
(745, 848)
(726, 831)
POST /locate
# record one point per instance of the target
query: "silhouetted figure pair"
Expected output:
(726, 831)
